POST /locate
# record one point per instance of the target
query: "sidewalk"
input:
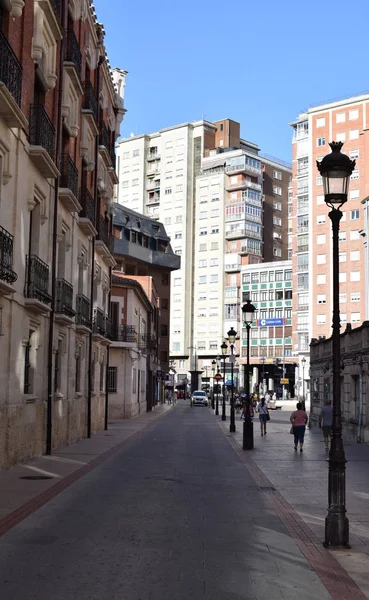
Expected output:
(26, 487)
(301, 479)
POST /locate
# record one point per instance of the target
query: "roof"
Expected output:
(120, 279)
(137, 222)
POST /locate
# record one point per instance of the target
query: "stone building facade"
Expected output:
(60, 113)
(354, 380)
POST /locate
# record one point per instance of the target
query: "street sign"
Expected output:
(284, 381)
(218, 377)
(270, 322)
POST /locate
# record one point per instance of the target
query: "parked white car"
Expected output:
(199, 398)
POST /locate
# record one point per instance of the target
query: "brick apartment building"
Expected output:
(60, 114)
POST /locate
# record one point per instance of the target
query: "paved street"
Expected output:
(173, 515)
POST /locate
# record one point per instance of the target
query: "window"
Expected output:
(179, 172)
(354, 154)
(202, 263)
(136, 152)
(215, 212)
(321, 299)
(343, 317)
(320, 219)
(341, 137)
(125, 183)
(215, 229)
(354, 194)
(355, 317)
(164, 303)
(279, 276)
(176, 346)
(167, 191)
(277, 175)
(202, 279)
(320, 122)
(214, 278)
(167, 220)
(321, 279)
(169, 175)
(342, 277)
(277, 190)
(214, 246)
(179, 187)
(320, 198)
(354, 214)
(112, 379)
(355, 255)
(215, 197)
(135, 182)
(277, 252)
(319, 181)
(288, 294)
(177, 281)
(321, 238)
(320, 141)
(342, 298)
(321, 259)
(354, 134)
(125, 155)
(342, 236)
(203, 215)
(340, 117)
(355, 296)
(321, 319)
(179, 219)
(178, 235)
(342, 257)
(214, 262)
(102, 375)
(271, 276)
(353, 114)
(255, 277)
(355, 276)
(355, 174)
(169, 145)
(354, 234)
(277, 221)
(277, 205)
(203, 247)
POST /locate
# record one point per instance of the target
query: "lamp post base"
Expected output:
(336, 531)
(248, 435)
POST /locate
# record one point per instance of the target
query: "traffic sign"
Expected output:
(270, 322)
(218, 377)
(284, 380)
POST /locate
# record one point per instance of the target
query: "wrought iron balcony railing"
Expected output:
(64, 298)
(69, 174)
(104, 137)
(6, 257)
(104, 234)
(37, 279)
(10, 70)
(108, 328)
(42, 132)
(89, 98)
(83, 306)
(87, 202)
(124, 333)
(147, 341)
(98, 324)
(57, 7)
(73, 51)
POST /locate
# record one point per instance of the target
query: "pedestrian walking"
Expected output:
(263, 415)
(298, 420)
(325, 422)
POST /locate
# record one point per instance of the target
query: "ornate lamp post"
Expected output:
(224, 349)
(262, 360)
(248, 312)
(217, 400)
(336, 169)
(232, 338)
(303, 362)
(213, 363)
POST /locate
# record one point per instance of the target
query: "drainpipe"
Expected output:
(361, 404)
(89, 378)
(49, 406)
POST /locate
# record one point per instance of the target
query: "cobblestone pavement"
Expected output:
(175, 513)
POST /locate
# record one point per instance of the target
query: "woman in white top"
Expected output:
(263, 414)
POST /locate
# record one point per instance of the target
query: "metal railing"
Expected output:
(83, 306)
(98, 323)
(104, 234)
(87, 202)
(73, 51)
(152, 155)
(89, 98)
(37, 279)
(10, 70)
(250, 250)
(57, 7)
(64, 298)
(104, 137)
(6, 257)
(108, 328)
(41, 130)
(69, 174)
(147, 341)
(124, 333)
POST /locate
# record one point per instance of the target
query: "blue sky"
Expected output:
(259, 63)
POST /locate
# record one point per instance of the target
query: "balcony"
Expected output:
(153, 156)
(64, 312)
(104, 243)
(87, 216)
(252, 201)
(7, 275)
(90, 106)
(42, 142)
(106, 147)
(83, 316)
(243, 167)
(73, 60)
(147, 342)
(153, 200)
(10, 87)
(303, 248)
(250, 250)
(101, 326)
(36, 290)
(52, 10)
(235, 234)
(68, 184)
(124, 334)
(152, 172)
(153, 185)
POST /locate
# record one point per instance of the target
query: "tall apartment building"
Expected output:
(59, 116)
(346, 121)
(206, 185)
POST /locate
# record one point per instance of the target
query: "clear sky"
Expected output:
(258, 62)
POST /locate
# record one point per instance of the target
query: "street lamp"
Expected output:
(248, 312)
(217, 400)
(262, 360)
(303, 362)
(336, 169)
(213, 363)
(224, 349)
(232, 338)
